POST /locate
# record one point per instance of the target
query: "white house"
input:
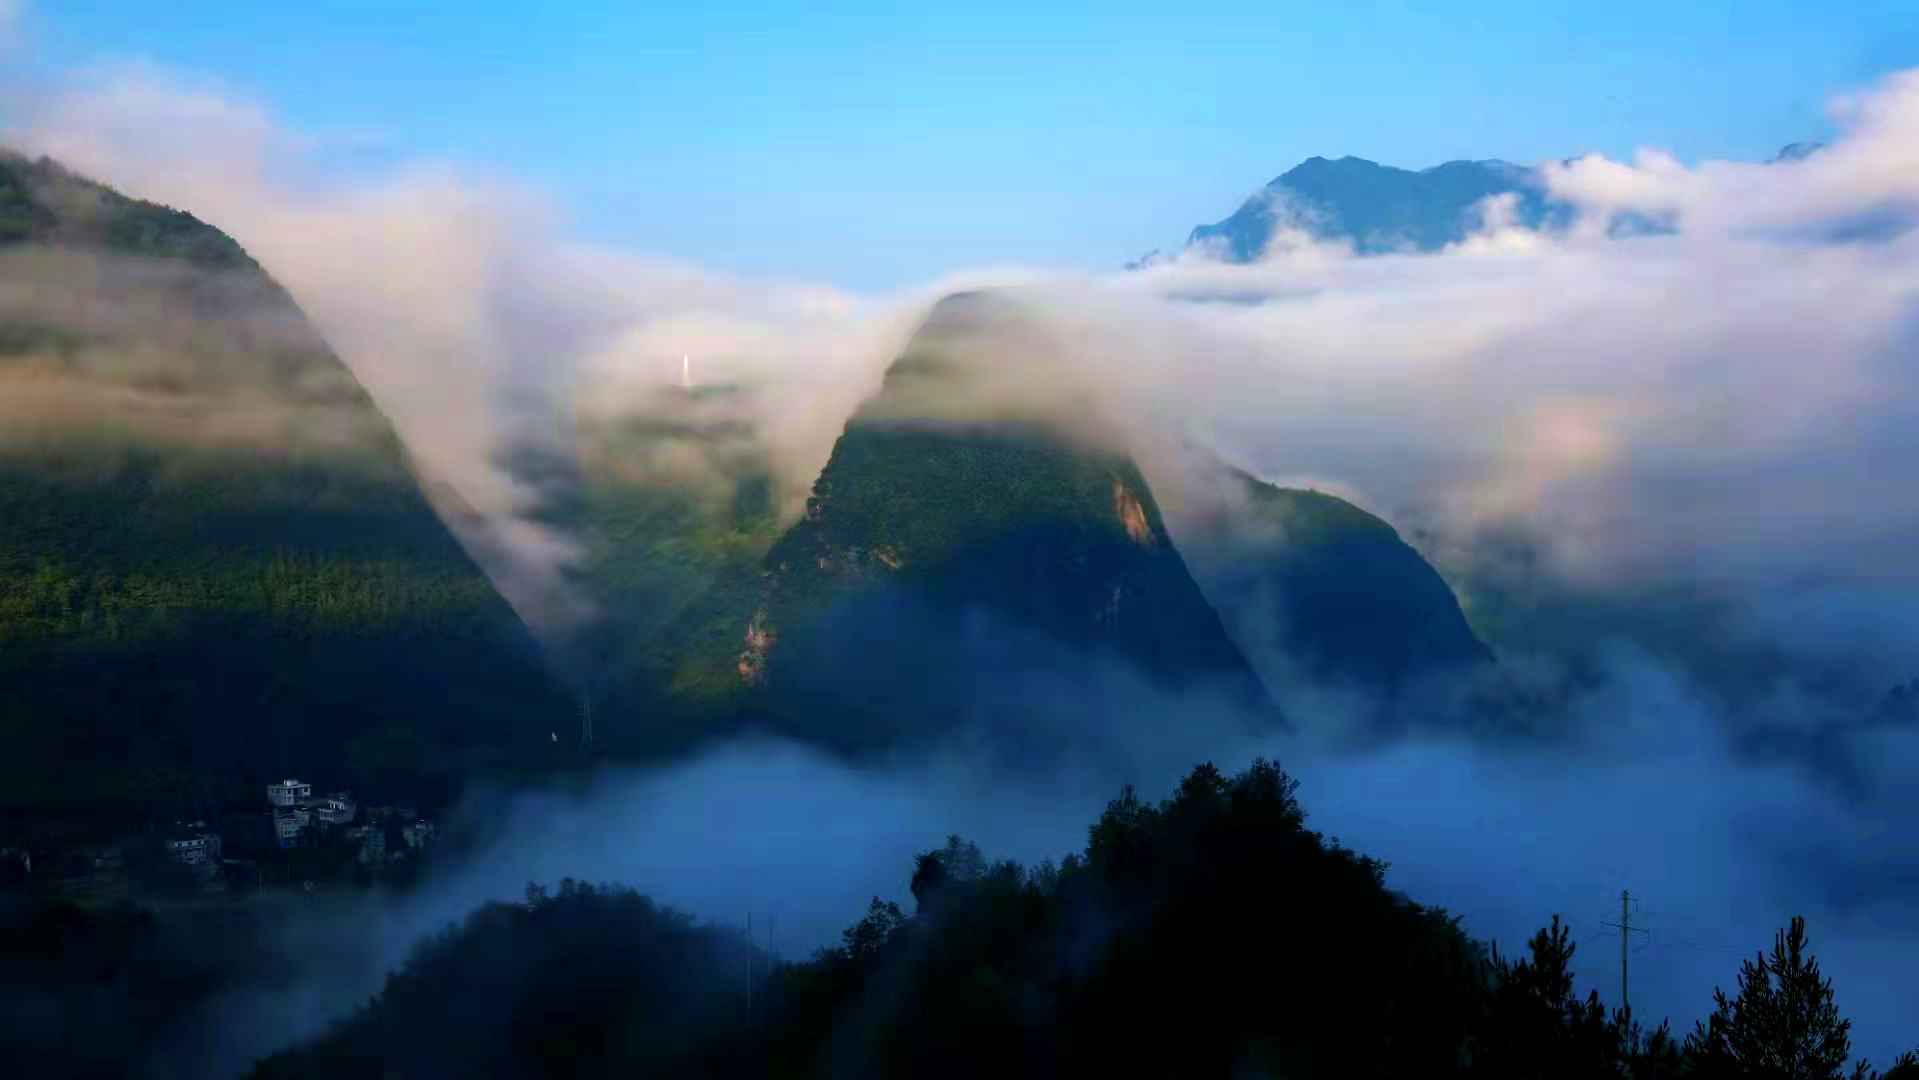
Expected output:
(336, 809)
(289, 793)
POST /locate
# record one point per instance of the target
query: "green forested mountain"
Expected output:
(955, 538)
(943, 558)
(216, 566)
(974, 533)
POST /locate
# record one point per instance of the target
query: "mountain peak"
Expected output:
(1378, 208)
(963, 491)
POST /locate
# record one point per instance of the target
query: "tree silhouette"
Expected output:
(1783, 1024)
(865, 939)
(958, 862)
(1206, 936)
(1537, 1026)
(1643, 1055)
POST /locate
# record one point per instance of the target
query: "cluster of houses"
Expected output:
(376, 834)
(299, 817)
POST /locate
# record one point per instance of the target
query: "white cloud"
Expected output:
(446, 292)
(1687, 407)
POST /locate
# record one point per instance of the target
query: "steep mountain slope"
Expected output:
(972, 540)
(215, 564)
(1313, 588)
(977, 552)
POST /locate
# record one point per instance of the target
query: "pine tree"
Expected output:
(1783, 1025)
(1538, 1027)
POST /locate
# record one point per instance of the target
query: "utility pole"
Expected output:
(1626, 930)
(586, 720)
(749, 967)
(1625, 936)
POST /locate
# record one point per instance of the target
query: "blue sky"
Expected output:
(870, 147)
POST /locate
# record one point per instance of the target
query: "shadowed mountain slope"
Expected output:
(1314, 588)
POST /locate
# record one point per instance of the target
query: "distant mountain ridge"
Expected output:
(1381, 209)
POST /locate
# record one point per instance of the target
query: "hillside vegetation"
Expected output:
(216, 565)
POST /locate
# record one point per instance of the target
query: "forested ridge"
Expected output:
(1212, 934)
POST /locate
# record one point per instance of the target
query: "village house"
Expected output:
(336, 809)
(290, 823)
(299, 817)
(196, 846)
(296, 811)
